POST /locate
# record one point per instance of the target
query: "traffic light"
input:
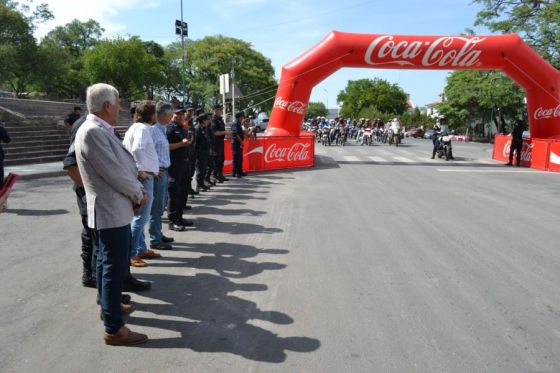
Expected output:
(181, 28)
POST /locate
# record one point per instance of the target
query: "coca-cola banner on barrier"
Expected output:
(272, 153)
(508, 53)
(554, 157)
(502, 146)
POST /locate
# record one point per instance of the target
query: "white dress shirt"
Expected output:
(138, 141)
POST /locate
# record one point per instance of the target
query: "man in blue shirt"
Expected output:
(164, 113)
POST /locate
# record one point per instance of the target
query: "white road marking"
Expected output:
(503, 171)
(351, 158)
(378, 159)
(405, 160)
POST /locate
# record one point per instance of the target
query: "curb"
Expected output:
(41, 175)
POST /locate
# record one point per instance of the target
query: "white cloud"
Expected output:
(151, 5)
(103, 11)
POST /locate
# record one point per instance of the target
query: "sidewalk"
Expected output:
(37, 170)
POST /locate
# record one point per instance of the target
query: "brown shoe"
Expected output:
(126, 308)
(124, 337)
(150, 254)
(137, 262)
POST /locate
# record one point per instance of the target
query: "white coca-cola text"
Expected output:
(441, 52)
(296, 152)
(526, 151)
(542, 113)
(297, 107)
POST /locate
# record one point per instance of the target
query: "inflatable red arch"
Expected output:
(507, 53)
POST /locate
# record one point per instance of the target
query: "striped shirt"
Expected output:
(159, 136)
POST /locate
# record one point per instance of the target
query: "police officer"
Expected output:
(237, 137)
(202, 150)
(189, 128)
(516, 142)
(219, 130)
(179, 170)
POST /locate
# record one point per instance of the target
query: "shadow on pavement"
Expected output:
(216, 321)
(213, 225)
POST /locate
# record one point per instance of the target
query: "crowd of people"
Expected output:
(364, 131)
(124, 184)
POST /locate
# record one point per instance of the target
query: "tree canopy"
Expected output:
(481, 96)
(536, 21)
(316, 109)
(376, 94)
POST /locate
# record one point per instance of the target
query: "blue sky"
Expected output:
(282, 30)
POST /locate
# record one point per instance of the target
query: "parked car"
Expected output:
(261, 122)
(415, 132)
(429, 134)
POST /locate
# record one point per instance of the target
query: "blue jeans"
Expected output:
(160, 197)
(112, 268)
(140, 219)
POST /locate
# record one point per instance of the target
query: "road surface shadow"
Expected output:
(231, 267)
(213, 225)
(206, 209)
(215, 320)
(30, 212)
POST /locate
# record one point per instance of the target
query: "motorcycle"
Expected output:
(325, 136)
(444, 147)
(394, 137)
(368, 137)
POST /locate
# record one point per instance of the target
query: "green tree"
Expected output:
(124, 63)
(415, 119)
(479, 97)
(377, 93)
(213, 56)
(76, 36)
(316, 109)
(537, 21)
(18, 50)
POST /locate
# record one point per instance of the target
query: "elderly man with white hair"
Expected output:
(113, 193)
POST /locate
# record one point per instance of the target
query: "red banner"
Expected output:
(540, 153)
(554, 157)
(273, 153)
(502, 146)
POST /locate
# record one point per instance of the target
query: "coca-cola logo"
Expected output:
(452, 51)
(542, 113)
(296, 152)
(526, 151)
(297, 107)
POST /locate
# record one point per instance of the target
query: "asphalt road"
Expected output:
(377, 260)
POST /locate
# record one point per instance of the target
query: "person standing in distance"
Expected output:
(237, 137)
(219, 129)
(202, 150)
(113, 193)
(516, 143)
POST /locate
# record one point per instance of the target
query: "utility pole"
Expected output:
(233, 93)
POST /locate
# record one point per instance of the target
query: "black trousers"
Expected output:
(219, 159)
(517, 147)
(201, 168)
(211, 166)
(179, 173)
(90, 248)
(237, 153)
